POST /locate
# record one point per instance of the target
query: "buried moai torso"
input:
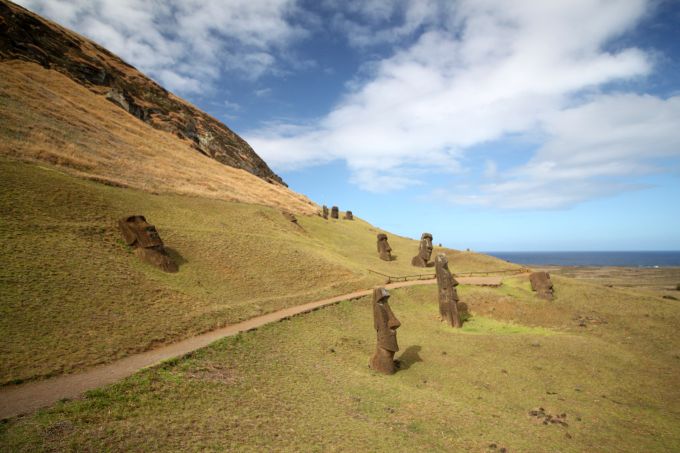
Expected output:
(324, 212)
(386, 325)
(541, 283)
(448, 296)
(144, 237)
(384, 248)
(334, 212)
(424, 251)
(348, 215)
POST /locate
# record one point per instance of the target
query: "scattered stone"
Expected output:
(386, 325)
(541, 283)
(670, 297)
(492, 446)
(548, 419)
(384, 248)
(567, 435)
(144, 237)
(448, 296)
(334, 212)
(348, 215)
(424, 251)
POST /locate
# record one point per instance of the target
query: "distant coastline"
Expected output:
(625, 259)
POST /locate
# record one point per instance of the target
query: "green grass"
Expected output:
(73, 295)
(303, 384)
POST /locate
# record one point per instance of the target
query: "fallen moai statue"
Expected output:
(448, 296)
(334, 212)
(541, 283)
(384, 248)
(144, 237)
(324, 212)
(386, 325)
(424, 252)
(348, 215)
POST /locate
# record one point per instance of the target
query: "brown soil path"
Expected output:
(25, 398)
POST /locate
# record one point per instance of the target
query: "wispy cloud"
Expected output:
(185, 44)
(477, 72)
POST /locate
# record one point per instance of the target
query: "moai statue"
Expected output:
(348, 215)
(384, 248)
(324, 212)
(448, 296)
(145, 239)
(541, 283)
(386, 325)
(424, 252)
(334, 212)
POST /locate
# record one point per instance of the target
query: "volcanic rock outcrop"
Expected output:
(28, 37)
(144, 237)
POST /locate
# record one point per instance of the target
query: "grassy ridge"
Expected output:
(74, 295)
(304, 384)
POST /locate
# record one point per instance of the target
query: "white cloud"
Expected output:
(184, 44)
(485, 69)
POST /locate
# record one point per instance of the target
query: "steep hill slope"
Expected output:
(74, 295)
(28, 37)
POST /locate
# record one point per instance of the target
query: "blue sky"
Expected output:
(493, 124)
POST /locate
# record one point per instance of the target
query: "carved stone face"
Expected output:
(384, 248)
(334, 212)
(349, 215)
(425, 251)
(386, 324)
(144, 237)
(542, 284)
(324, 212)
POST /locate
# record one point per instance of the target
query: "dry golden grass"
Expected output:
(47, 117)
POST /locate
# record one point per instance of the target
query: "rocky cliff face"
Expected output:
(27, 36)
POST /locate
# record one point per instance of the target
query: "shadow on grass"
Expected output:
(409, 357)
(174, 254)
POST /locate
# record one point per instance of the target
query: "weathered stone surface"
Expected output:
(334, 212)
(27, 36)
(448, 296)
(386, 325)
(424, 252)
(348, 215)
(541, 283)
(324, 212)
(144, 237)
(384, 249)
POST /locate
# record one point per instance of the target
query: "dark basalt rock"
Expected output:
(144, 237)
(28, 37)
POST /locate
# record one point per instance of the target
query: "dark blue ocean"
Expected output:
(627, 259)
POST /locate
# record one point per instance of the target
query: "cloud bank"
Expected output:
(185, 45)
(476, 72)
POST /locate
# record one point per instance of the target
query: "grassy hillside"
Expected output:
(47, 117)
(74, 295)
(304, 384)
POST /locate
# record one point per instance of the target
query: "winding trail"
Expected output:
(25, 398)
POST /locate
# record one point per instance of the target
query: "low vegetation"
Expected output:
(74, 295)
(523, 374)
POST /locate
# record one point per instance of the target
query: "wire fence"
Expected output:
(405, 278)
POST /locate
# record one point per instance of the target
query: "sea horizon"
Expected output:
(620, 258)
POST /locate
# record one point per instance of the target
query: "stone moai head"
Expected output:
(448, 296)
(384, 248)
(424, 251)
(386, 325)
(144, 237)
(324, 212)
(348, 215)
(541, 283)
(334, 212)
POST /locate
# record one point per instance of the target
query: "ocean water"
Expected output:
(627, 259)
